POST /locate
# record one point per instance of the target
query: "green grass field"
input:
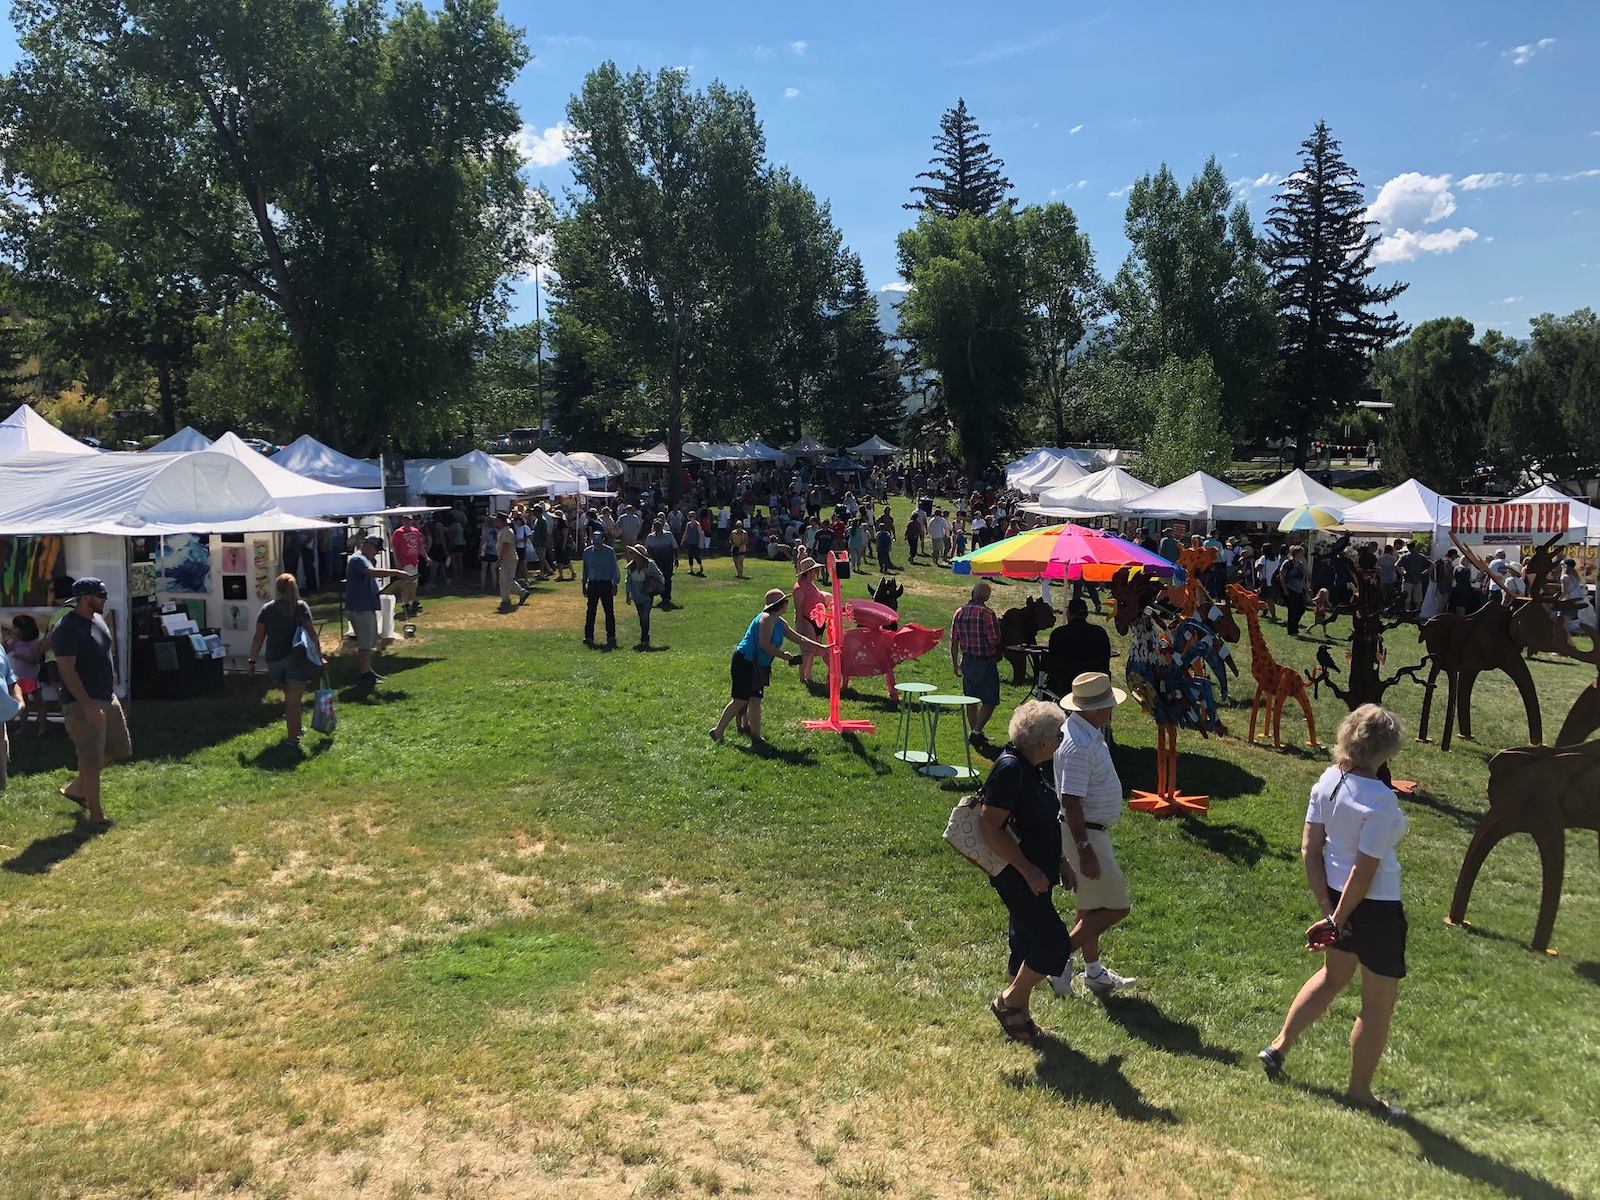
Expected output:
(520, 929)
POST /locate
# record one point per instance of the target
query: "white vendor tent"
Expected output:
(1410, 507)
(591, 466)
(311, 458)
(474, 474)
(657, 456)
(1106, 492)
(26, 432)
(759, 451)
(295, 493)
(1030, 466)
(186, 441)
(809, 447)
(1193, 497)
(1584, 519)
(558, 480)
(875, 447)
(1278, 499)
(1061, 472)
(131, 495)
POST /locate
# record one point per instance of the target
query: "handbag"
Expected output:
(965, 834)
(323, 717)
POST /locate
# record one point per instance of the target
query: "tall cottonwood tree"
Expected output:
(967, 176)
(660, 257)
(1065, 300)
(1438, 380)
(350, 165)
(1332, 315)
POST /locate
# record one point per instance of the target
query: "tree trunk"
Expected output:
(169, 402)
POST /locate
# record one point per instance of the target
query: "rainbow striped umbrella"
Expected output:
(1308, 517)
(1060, 552)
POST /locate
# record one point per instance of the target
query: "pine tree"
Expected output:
(966, 175)
(1320, 251)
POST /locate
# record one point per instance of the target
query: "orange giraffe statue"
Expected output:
(1196, 560)
(1274, 684)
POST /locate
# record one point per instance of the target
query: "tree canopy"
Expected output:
(967, 176)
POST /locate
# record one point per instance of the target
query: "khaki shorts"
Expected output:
(99, 744)
(1111, 889)
(365, 625)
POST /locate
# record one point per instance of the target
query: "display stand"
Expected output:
(166, 667)
(831, 616)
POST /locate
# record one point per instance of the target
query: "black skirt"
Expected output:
(1377, 935)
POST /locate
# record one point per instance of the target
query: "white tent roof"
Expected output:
(558, 479)
(475, 474)
(295, 493)
(875, 447)
(809, 447)
(1106, 491)
(1031, 461)
(311, 458)
(657, 455)
(1584, 519)
(1057, 473)
(590, 466)
(1193, 496)
(761, 452)
(1411, 507)
(26, 432)
(186, 441)
(1278, 499)
(1030, 466)
(130, 495)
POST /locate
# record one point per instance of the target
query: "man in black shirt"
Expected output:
(1075, 648)
(95, 720)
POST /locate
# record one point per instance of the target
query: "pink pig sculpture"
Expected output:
(879, 643)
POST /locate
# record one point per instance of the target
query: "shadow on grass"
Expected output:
(794, 756)
(1464, 818)
(1447, 1153)
(42, 854)
(280, 756)
(1150, 1025)
(1197, 773)
(1237, 843)
(1588, 970)
(1075, 1076)
(857, 747)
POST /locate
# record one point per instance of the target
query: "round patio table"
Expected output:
(935, 769)
(1036, 656)
(909, 693)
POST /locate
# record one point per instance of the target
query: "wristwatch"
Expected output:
(1084, 845)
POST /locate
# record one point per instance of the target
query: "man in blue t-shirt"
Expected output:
(94, 717)
(361, 577)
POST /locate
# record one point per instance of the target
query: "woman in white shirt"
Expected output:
(1353, 824)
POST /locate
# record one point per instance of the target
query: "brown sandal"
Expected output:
(1016, 1022)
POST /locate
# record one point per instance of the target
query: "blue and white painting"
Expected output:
(185, 564)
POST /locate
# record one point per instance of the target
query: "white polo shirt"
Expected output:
(1084, 769)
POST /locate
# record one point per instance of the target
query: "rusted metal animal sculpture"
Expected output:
(1020, 627)
(1543, 791)
(1367, 653)
(888, 592)
(1275, 684)
(1462, 648)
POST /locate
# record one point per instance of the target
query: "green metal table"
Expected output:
(910, 693)
(935, 769)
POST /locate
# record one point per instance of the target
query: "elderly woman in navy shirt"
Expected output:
(1020, 794)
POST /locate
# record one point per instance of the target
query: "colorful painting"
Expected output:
(261, 568)
(141, 579)
(27, 565)
(233, 560)
(185, 564)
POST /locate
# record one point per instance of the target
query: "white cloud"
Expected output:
(1412, 197)
(1078, 128)
(1081, 184)
(998, 51)
(1403, 245)
(899, 285)
(1512, 300)
(761, 52)
(1121, 191)
(543, 149)
(790, 93)
(798, 48)
(1522, 55)
(1568, 177)
(1483, 180)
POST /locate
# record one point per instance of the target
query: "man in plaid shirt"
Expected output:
(975, 654)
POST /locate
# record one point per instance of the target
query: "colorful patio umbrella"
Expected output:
(1060, 552)
(1308, 517)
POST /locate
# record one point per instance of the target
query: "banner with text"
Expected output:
(1511, 523)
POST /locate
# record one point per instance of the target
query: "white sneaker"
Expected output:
(1061, 984)
(1107, 982)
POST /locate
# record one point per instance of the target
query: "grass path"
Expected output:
(522, 930)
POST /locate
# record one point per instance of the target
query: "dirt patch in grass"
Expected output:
(552, 606)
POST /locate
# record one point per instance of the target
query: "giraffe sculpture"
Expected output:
(1274, 684)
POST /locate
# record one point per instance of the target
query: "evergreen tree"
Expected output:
(966, 175)
(1320, 251)
(860, 392)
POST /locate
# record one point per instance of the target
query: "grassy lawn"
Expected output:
(520, 929)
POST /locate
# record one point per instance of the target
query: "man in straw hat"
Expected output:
(1091, 802)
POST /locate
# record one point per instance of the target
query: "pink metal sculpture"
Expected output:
(827, 615)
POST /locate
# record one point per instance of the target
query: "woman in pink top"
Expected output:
(807, 595)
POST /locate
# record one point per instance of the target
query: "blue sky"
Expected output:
(1475, 126)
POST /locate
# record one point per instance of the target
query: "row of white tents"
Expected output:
(1064, 489)
(757, 451)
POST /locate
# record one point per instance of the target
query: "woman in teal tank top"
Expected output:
(751, 667)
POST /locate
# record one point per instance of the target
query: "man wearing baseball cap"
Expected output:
(94, 716)
(361, 602)
(1091, 802)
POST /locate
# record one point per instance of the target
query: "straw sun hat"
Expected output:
(1092, 690)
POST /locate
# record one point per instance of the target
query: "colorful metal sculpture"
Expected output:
(1367, 653)
(1538, 790)
(1275, 684)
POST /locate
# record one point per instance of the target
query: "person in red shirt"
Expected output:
(409, 554)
